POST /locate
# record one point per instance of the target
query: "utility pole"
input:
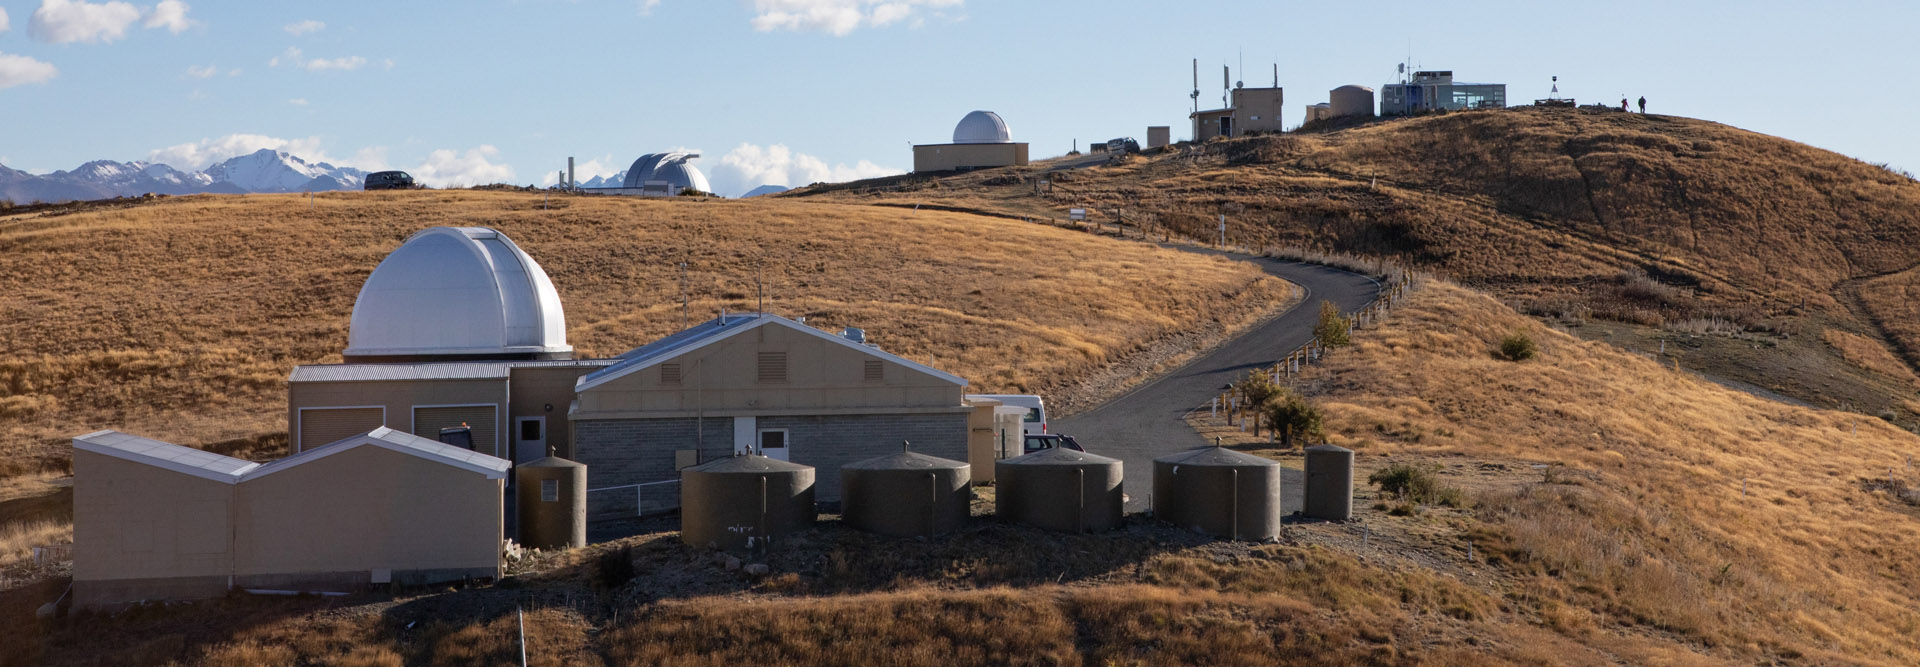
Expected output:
(684, 323)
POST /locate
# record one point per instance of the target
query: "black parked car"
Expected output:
(390, 180)
(1038, 441)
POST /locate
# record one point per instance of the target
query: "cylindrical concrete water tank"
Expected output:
(1350, 101)
(1060, 489)
(551, 498)
(742, 501)
(1219, 492)
(906, 494)
(1329, 483)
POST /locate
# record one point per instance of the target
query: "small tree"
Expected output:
(1291, 416)
(1257, 389)
(1332, 329)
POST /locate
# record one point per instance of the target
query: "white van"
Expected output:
(1036, 420)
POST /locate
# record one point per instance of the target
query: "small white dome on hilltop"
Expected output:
(458, 292)
(982, 127)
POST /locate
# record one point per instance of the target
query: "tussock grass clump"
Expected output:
(1416, 484)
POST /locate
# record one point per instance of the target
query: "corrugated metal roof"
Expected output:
(719, 328)
(404, 443)
(450, 370)
(178, 458)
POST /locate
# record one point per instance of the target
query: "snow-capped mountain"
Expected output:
(262, 171)
(618, 179)
(269, 170)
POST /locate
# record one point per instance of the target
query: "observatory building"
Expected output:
(1253, 110)
(981, 140)
(658, 175)
(1436, 90)
(666, 174)
(456, 327)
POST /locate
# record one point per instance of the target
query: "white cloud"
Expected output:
(323, 64)
(233, 72)
(305, 27)
(196, 156)
(202, 71)
(3, 20)
(66, 22)
(749, 166)
(837, 17)
(448, 168)
(17, 70)
(169, 14)
(298, 101)
(293, 56)
(646, 7)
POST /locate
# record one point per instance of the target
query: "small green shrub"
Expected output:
(1518, 347)
(1415, 484)
(1292, 417)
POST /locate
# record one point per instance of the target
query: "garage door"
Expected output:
(427, 423)
(320, 426)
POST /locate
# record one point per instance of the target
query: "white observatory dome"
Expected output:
(982, 127)
(673, 167)
(457, 293)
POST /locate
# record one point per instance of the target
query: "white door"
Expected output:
(529, 438)
(744, 435)
(773, 443)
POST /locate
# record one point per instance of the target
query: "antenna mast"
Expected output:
(1196, 86)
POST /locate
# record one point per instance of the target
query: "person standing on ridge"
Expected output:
(1643, 104)
(1623, 104)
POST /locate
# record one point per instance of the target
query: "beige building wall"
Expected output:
(398, 400)
(819, 377)
(1257, 110)
(1206, 124)
(142, 532)
(335, 519)
(545, 391)
(983, 438)
(948, 157)
(1159, 135)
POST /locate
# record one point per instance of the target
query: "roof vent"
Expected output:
(854, 334)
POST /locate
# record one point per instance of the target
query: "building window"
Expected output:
(670, 373)
(773, 368)
(549, 490)
(530, 429)
(876, 371)
(773, 440)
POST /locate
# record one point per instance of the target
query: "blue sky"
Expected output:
(791, 91)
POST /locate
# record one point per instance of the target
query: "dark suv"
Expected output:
(390, 180)
(1038, 441)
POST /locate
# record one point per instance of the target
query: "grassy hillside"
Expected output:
(1640, 544)
(1688, 227)
(181, 319)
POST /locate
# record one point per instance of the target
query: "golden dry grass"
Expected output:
(17, 540)
(1739, 525)
(1869, 354)
(180, 319)
(1563, 211)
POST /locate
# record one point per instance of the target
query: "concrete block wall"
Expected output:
(826, 443)
(619, 452)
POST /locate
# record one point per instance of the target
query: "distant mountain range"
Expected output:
(262, 171)
(764, 190)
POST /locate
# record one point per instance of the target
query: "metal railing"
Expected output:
(654, 497)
